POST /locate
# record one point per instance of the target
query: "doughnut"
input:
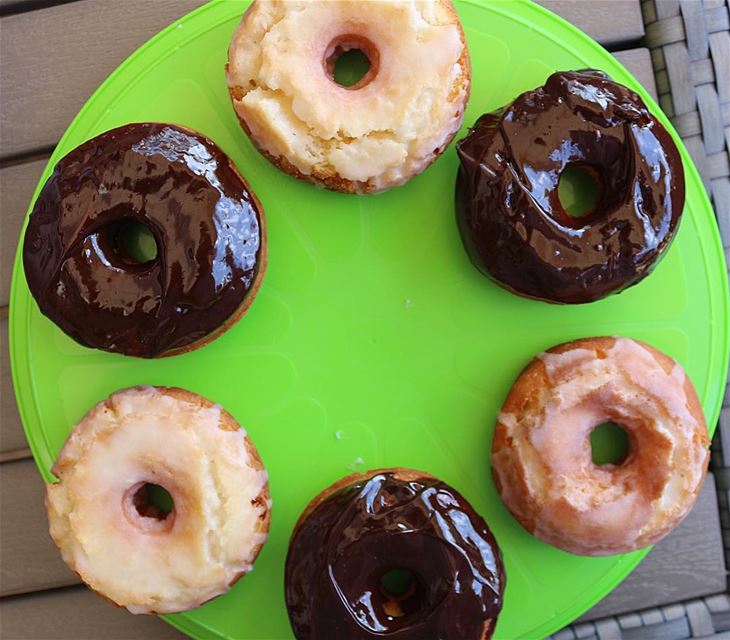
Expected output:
(512, 224)
(367, 526)
(368, 137)
(541, 452)
(120, 543)
(207, 224)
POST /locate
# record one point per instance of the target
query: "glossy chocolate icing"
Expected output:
(204, 219)
(342, 548)
(509, 215)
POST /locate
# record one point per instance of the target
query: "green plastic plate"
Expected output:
(374, 342)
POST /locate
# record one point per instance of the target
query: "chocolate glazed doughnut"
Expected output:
(510, 218)
(206, 222)
(365, 526)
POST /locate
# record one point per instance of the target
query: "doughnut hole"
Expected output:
(351, 61)
(127, 244)
(135, 242)
(610, 444)
(580, 190)
(149, 506)
(398, 586)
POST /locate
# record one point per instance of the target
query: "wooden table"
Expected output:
(53, 54)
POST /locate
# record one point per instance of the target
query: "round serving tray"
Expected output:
(374, 342)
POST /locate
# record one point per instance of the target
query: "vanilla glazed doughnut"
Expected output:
(541, 452)
(374, 135)
(124, 547)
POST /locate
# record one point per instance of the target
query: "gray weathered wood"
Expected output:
(688, 563)
(18, 6)
(610, 22)
(17, 183)
(12, 438)
(51, 61)
(30, 560)
(76, 614)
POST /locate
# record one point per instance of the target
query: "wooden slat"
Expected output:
(8, 7)
(44, 79)
(17, 454)
(31, 561)
(52, 60)
(638, 62)
(17, 184)
(610, 22)
(76, 614)
(12, 438)
(689, 563)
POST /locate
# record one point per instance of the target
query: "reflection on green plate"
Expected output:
(373, 341)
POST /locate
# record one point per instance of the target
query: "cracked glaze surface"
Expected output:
(187, 445)
(352, 139)
(541, 453)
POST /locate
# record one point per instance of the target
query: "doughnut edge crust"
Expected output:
(225, 551)
(549, 506)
